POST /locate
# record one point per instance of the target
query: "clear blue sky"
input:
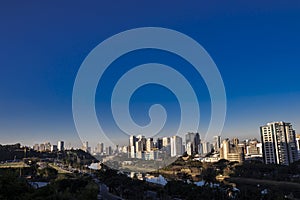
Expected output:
(256, 46)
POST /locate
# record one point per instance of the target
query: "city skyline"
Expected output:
(194, 139)
(279, 145)
(252, 46)
(80, 144)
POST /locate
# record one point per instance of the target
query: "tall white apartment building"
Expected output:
(279, 143)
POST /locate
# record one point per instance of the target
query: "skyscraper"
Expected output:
(188, 147)
(149, 144)
(176, 146)
(85, 147)
(298, 144)
(279, 143)
(108, 150)
(192, 141)
(100, 148)
(60, 146)
(166, 141)
(235, 141)
(132, 140)
(206, 147)
(189, 143)
(197, 141)
(159, 143)
(132, 148)
(217, 143)
(53, 148)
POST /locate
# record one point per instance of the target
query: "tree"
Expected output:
(209, 175)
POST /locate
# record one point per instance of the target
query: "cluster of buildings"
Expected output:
(150, 149)
(174, 146)
(48, 147)
(99, 149)
(279, 145)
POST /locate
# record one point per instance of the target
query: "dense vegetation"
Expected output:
(128, 188)
(12, 187)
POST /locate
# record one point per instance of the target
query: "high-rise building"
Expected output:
(140, 143)
(176, 146)
(36, 147)
(253, 147)
(217, 143)
(166, 145)
(159, 143)
(149, 144)
(231, 152)
(189, 149)
(53, 148)
(166, 141)
(235, 141)
(138, 146)
(206, 147)
(298, 144)
(279, 143)
(108, 150)
(47, 146)
(132, 152)
(100, 148)
(132, 141)
(193, 140)
(197, 141)
(60, 146)
(189, 142)
(85, 147)
(42, 147)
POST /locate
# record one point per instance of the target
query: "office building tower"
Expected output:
(108, 150)
(189, 147)
(36, 147)
(138, 146)
(166, 141)
(47, 146)
(193, 140)
(85, 147)
(100, 148)
(231, 152)
(235, 142)
(132, 141)
(217, 143)
(125, 149)
(140, 143)
(197, 141)
(159, 143)
(279, 143)
(200, 149)
(176, 146)
(60, 146)
(53, 148)
(189, 140)
(206, 147)
(42, 148)
(298, 145)
(149, 144)
(132, 151)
